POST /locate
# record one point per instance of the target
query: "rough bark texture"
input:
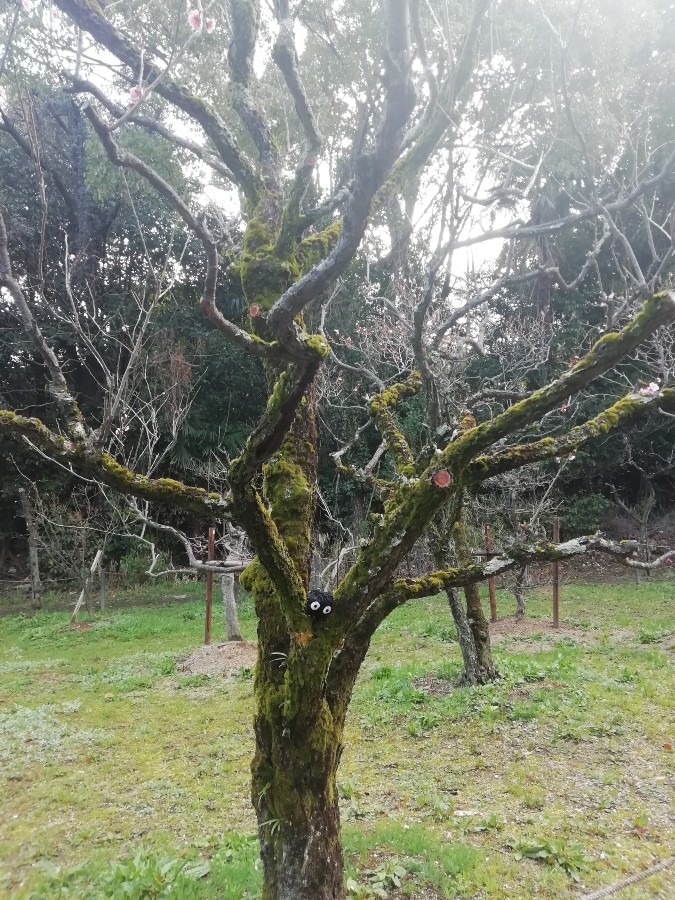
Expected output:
(232, 630)
(298, 741)
(472, 669)
(440, 535)
(479, 625)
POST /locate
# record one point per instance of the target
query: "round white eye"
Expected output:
(326, 610)
(314, 605)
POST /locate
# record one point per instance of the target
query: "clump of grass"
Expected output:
(98, 733)
(570, 857)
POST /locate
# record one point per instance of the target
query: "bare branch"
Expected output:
(89, 17)
(102, 467)
(371, 170)
(58, 385)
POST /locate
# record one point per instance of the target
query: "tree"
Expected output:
(395, 128)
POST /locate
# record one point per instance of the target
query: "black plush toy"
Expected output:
(319, 603)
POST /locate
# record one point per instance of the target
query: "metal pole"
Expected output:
(556, 576)
(209, 587)
(491, 581)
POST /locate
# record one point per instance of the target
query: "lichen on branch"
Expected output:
(619, 414)
(381, 408)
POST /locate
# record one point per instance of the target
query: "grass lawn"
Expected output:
(120, 776)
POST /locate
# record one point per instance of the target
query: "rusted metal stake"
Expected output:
(491, 581)
(556, 576)
(209, 587)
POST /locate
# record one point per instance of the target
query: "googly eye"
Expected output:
(326, 610)
(314, 605)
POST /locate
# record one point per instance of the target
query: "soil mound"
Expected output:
(226, 659)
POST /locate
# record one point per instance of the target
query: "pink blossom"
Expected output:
(194, 18)
(651, 390)
(563, 408)
(210, 25)
(135, 94)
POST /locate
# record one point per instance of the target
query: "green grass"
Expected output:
(120, 776)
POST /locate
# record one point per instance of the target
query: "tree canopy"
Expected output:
(442, 225)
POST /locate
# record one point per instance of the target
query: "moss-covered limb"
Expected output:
(404, 589)
(245, 19)
(604, 355)
(406, 517)
(281, 536)
(282, 405)
(408, 513)
(102, 467)
(37, 432)
(89, 16)
(173, 493)
(316, 247)
(265, 274)
(381, 408)
(616, 416)
(273, 561)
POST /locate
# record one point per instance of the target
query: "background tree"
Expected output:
(426, 98)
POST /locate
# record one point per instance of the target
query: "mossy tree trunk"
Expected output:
(298, 741)
(473, 673)
(480, 628)
(440, 538)
(307, 668)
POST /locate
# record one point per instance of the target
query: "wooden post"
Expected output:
(102, 588)
(209, 587)
(491, 581)
(556, 576)
(33, 553)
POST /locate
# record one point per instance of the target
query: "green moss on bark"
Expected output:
(317, 246)
(381, 408)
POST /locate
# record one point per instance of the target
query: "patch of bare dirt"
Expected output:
(225, 659)
(526, 626)
(509, 627)
(436, 687)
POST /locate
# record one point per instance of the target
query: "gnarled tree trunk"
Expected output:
(480, 628)
(295, 797)
(232, 629)
(298, 740)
